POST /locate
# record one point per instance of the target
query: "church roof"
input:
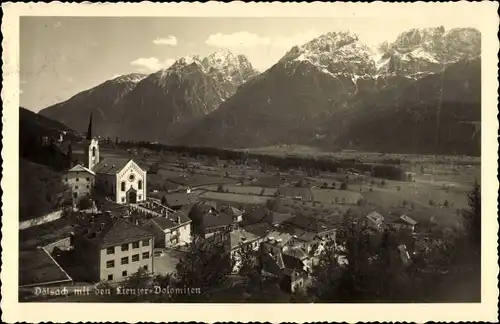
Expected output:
(81, 168)
(111, 165)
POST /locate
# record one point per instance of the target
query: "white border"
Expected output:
(482, 15)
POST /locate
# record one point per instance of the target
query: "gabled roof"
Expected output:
(296, 252)
(278, 238)
(240, 236)
(217, 219)
(407, 220)
(292, 264)
(81, 168)
(171, 220)
(375, 217)
(117, 232)
(110, 165)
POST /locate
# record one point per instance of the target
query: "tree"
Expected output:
(431, 202)
(333, 185)
(472, 218)
(85, 203)
(446, 204)
(220, 187)
(206, 264)
(343, 186)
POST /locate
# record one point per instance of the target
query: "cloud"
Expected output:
(151, 64)
(238, 39)
(21, 91)
(23, 81)
(57, 24)
(169, 40)
(69, 80)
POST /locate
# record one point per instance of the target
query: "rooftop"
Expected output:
(375, 217)
(37, 267)
(240, 236)
(110, 165)
(111, 233)
(81, 168)
(180, 199)
(171, 221)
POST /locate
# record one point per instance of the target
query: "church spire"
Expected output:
(89, 131)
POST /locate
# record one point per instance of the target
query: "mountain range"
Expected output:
(418, 94)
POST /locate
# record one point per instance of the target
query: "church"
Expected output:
(121, 179)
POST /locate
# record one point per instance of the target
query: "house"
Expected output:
(310, 234)
(122, 179)
(297, 193)
(276, 242)
(234, 212)
(114, 249)
(80, 180)
(264, 214)
(405, 222)
(240, 238)
(374, 221)
(208, 221)
(177, 200)
(170, 231)
(290, 271)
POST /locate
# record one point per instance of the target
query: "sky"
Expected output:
(61, 56)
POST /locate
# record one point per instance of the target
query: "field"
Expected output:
(439, 187)
(234, 198)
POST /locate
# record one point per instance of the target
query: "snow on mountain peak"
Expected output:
(133, 77)
(335, 52)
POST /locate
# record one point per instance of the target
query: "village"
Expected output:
(143, 211)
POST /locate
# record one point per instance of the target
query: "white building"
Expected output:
(121, 179)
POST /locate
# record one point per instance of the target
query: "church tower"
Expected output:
(91, 148)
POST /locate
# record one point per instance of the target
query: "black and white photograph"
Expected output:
(253, 160)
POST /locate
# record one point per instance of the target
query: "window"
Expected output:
(88, 179)
(135, 257)
(123, 199)
(124, 247)
(124, 273)
(140, 197)
(77, 179)
(93, 151)
(124, 260)
(145, 242)
(146, 267)
(66, 179)
(75, 194)
(110, 264)
(110, 277)
(76, 187)
(88, 186)
(139, 184)
(123, 185)
(135, 245)
(145, 255)
(110, 250)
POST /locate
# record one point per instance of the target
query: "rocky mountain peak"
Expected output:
(132, 77)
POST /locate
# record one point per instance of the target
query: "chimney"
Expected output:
(178, 219)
